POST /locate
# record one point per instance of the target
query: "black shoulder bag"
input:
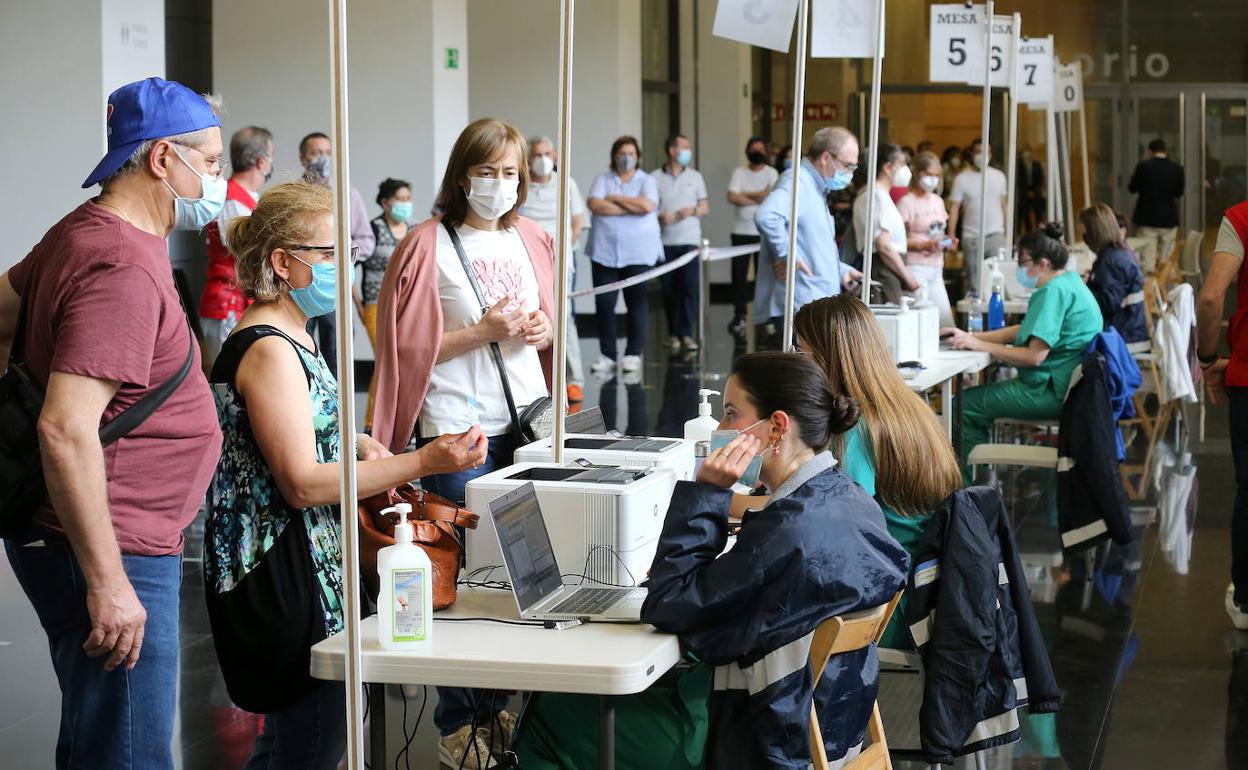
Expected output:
(533, 423)
(22, 488)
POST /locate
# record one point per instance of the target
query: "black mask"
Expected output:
(756, 158)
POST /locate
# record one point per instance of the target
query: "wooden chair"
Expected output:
(846, 633)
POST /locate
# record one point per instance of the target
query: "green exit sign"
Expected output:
(452, 58)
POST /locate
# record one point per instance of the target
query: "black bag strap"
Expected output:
(495, 352)
(237, 345)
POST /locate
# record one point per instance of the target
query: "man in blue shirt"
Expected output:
(829, 165)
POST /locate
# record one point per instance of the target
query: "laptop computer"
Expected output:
(536, 580)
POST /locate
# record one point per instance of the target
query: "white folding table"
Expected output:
(605, 659)
(944, 370)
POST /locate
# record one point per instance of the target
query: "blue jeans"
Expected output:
(680, 292)
(457, 705)
(634, 300)
(119, 719)
(310, 735)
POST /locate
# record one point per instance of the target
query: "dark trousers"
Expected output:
(1237, 400)
(604, 306)
(742, 289)
(680, 292)
(324, 329)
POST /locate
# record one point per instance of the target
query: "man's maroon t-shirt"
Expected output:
(101, 302)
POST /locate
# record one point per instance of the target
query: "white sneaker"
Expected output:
(467, 749)
(630, 363)
(603, 364)
(1239, 618)
(690, 344)
(673, 343)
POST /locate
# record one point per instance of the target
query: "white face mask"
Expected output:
(929, 183)
(981, 160)
(901, 178)
(491, 198)
(543, 165)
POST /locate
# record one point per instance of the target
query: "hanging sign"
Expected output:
(1002, 47)
(843, 29)
(1035, 71)
(1068, 88)
(764, 23)
(957, 50)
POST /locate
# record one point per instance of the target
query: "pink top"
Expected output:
(925, 217)
(409, 325)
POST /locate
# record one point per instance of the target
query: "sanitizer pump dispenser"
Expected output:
(405, 604)
(701, 427)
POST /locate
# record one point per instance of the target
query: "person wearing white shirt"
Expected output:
(542, 206)
(749, 186)
(888, 239)
(967, 200)
(682, 204)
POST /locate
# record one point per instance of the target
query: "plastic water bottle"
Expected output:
(975, 316)
(996, 303)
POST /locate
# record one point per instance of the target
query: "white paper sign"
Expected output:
(843, 29)
(1035, 71)
(1068, 88)
(764, 23)
(1002, 46)
(957, 35)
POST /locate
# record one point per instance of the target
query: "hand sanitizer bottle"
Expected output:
(700, 427)
(405, 604)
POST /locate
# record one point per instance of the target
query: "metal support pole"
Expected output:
(873, 149)
(1053, 172)
(1011, 117)
(704, 295)
(606, 732)
(986, 125)
(346, 385)
(799, 110)
(563, 244)
(1083, 147)
(1067, 168)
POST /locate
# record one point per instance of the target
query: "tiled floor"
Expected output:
(1151, 674)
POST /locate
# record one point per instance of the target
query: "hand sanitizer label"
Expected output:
(409, 604)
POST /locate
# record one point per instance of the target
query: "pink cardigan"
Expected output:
(409, 325)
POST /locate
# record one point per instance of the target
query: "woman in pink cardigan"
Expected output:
(435, 367)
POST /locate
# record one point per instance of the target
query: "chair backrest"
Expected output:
(1189, 262)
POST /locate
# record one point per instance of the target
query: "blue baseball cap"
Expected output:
(149, 109)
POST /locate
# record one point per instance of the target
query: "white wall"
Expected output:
(132, 39)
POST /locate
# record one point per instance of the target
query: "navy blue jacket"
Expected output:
(1118, 285)
(822, 550)
(974, 626)
(1122, 378)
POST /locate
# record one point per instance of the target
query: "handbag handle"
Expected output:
(426, 506)
(495, 352)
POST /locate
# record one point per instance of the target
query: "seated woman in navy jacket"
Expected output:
(818, 548)
(1116, 281)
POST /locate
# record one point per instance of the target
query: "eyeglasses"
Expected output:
(850, 167)
(328, 252)
(216, 166)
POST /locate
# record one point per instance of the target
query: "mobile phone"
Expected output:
(945, 243)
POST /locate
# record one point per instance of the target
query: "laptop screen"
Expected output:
(526, 547)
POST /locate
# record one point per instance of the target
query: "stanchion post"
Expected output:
(799, 110)
(1011, 115)
(873, 148)
(1053, 173)
(984, 138)
(346, 387)
(563, 245)
(703, 298)
(1063, 128)
(1083, 146)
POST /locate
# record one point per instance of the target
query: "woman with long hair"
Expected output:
(1116, 281)
(898, 451)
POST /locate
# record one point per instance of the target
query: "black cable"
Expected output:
(593, 580)
(472, 736)
(403, 727)
(491, 620)
(620, 559)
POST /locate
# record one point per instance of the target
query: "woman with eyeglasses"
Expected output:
(1062, 318)
(272, 556)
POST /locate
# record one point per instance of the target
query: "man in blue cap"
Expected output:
(103, 327)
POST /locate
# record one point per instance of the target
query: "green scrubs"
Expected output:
(859, 463)
(1064, 314)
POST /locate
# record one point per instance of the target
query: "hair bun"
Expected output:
(1054, 230)
(843, 415)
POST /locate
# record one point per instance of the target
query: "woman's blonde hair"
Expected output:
(915, 465)
(1100, 227)
(481, 142)
(286, 215)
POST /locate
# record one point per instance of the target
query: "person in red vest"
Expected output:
(222, 304)
(1227, 378)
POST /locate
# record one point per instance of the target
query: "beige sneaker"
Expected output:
(504, 729)
(466, 750)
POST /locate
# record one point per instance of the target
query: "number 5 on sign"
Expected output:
(1068, 88)
(957, 51)
(764, 23)
(843, 29)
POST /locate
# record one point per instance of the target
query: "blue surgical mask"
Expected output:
(684, 157)
(838, 181)
(721, 438)
(1026, 280)
(196, 213)
(401, 211)
(319, 297)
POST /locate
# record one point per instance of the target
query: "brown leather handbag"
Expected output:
(434, 520)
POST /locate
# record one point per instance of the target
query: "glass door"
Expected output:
(1223, 158)
(1154, 117)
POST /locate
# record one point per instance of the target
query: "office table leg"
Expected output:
(377, 724)
(946, 406)
(606, 733)
(956, 430)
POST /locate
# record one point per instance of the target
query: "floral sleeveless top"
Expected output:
(246, 510)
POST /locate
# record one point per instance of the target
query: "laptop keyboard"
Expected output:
(588, 601)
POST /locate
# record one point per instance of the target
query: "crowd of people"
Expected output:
(459, 309)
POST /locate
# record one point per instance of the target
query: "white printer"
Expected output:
(675, 455)
(901, 331)
(609, 515)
